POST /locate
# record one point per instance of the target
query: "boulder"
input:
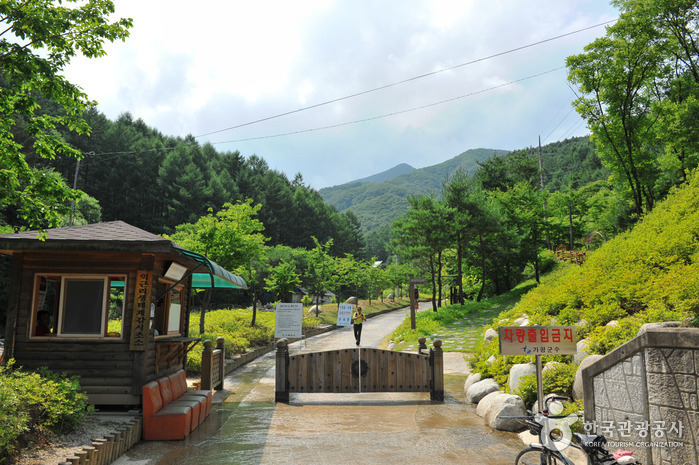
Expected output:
(581, 351)
(521, 321)
(313, 309)
(578, 383)
(535, 407)
(550, 366)
(612, 323)
(626, 460)
(391, 346)
(662, 324)
(352, 300)
(518, 371)
(501, 409)
(480, 389)
(490, 334)
(471, 379)
(491, 359)
(486, 401)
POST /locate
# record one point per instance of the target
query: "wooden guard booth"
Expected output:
(356, 370)
(116, 302)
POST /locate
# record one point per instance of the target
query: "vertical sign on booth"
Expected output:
(289, 321)
(344, 315)
(140, 320)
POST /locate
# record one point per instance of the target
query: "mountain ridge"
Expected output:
(377, 203)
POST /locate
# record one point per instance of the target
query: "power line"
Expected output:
(386, 115)
(573, 128)
(559, 123)
(414, 78)
(346, 123)
(133, 152)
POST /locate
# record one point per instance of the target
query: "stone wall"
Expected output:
(643, 396)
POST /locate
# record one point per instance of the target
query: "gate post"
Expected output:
(207, 356)
(421, 345)
(222, 363)
(281, 376)
(437, 359)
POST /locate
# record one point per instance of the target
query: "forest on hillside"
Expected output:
(156, 182)
(637, 89)
(481, 225)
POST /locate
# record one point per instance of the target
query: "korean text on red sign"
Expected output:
(537, 340)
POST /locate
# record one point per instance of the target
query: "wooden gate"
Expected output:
(359, 370)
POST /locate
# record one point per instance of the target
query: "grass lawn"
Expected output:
(459, 327)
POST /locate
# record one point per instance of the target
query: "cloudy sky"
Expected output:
(347, 88)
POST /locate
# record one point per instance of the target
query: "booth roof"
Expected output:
(117, 236)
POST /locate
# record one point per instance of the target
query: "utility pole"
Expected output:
(541, 182)
(75, 186)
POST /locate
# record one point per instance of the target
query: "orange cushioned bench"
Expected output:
(170, 410)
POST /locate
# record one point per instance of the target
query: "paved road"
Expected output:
(369, 428)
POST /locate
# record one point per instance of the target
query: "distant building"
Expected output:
(299, 292)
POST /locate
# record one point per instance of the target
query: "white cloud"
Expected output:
(194, 68)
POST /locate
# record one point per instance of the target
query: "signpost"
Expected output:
(288, 321)
(538, 341)
(411, 290)
(344, 315)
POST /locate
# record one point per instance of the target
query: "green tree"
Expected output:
(456, 192)
(639, 95)
(37, 41)
(378, 279)
(422, 234)
(523, 208)
(318, 275)
(87, 211)
(232, 237)
(254, 275)
(282, 280)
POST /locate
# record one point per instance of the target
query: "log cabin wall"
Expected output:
(80, 277)
(109, 372)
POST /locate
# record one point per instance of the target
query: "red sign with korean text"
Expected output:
(537, 340)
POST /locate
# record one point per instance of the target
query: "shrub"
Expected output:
(499, 367)
(234, 327)
(33, 401)
(527, 390)
(558, 379)
(604, 339)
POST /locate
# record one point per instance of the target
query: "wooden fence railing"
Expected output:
(106, 450)
(213, 365)
(571, 256)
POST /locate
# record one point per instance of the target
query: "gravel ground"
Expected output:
(55, 449)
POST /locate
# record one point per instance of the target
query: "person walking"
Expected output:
(357, 320)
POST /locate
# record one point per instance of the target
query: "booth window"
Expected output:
(169, 318)
(78, 306)
(174, 314)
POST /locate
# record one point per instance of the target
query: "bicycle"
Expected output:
(547, 451)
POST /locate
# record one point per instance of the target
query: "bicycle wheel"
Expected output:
(535, 456)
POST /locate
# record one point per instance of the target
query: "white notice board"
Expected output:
(344, 315)
(288, 321)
